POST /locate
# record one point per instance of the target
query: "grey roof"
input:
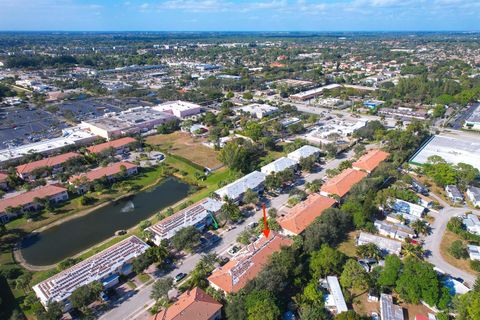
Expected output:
(454, 191)
(475, 116)
(303, 152)
(235, 189)
(388, 310)
(389, 245)
(278, 165)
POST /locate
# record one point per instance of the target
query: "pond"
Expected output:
(71, 237)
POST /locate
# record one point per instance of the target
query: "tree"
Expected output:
(230, 211)
(326, 261)
(85, 295)
(331, 150)
(186, 239)
(349, 315)
(272, 182)
(420, 227)
(354, 276)
(248, 95)
(458, 250)
(250, 197)
(311, 293)
(260, 304)
(141, 263)
(23, 281)
(308, 163)
(390, 272)
(467, 306)
(160, 290)
(412, 250)
(369, 250)
(314, 186)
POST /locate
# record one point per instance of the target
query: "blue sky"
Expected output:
(236, 15)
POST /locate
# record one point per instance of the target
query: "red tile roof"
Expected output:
(47, 162)
(28, 197)
(193, 304)
(101, 172)
(303, 214)
(370, 160)
(111, 144)
(248, 262)
(343, 182)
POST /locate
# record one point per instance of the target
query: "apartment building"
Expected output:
(279, 165)
(304, 152)
(54, 164)
(119, 145)
(370, 161)
(341, 184)
(235, 190)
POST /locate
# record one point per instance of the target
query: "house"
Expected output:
(341, 184)
(180, 109)
(334, 301)
(258, 110)
(279, 165)
(27, 201)
(192, 304)
(371, 160)
(55, 164)
(198, 215)
(3, 181)
(424, 201)
(473, 194)
(236, 189)
(394, 230)
(83, 181)
(304, 152)
(105, 267)
(247, 263)
(387, 246)
(388, 310)
(119, 145)
(473, 252)
(419, 187)
(472, 223)
(408, 210)
(454, 194)
(295, 220)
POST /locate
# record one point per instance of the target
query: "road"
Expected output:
(434, 239)
(134, 305)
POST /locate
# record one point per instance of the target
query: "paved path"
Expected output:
(434, 239)
(134, 305)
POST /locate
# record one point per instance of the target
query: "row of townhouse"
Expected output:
(394, 230)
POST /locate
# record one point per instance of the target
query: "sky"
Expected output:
(236, 15)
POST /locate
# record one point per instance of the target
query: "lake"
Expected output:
(74, 236)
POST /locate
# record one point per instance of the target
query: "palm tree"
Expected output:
(369, 250)
(230, 211)
(412, 250)
(420, 227)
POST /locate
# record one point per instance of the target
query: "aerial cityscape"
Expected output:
(237, 171)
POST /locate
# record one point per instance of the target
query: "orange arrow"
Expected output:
(266, 231)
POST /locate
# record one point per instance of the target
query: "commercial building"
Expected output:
(402, 113)
(295, 220)
(71, 136)
(472, 223)
(235, 190)
(83, 181)
(247, 263)
(55, 164)
(120, 145)
(310, 94)
(330, 131)
(473, 252)
(105, 267)
(341, 184)
(371, 160)
(27, 201)
(388, 310)
(131, 121)
(180, 109)
(473, 121)
(192, 304)
(198, 215)
(453, 148)
(335, 301)
(257, 110)
(304, 152)
(279, 165)
(394, 230)
(473, 194)
(454, 194)
(387, 246)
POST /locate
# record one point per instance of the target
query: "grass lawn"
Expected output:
(144, 278)
(348, 247)
(131, 284)
(186, 146)
(447, 240)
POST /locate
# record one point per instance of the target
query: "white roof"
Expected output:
(97, 267)
(278, 165)
(389, 245)
(176, 105)
(258, 109)
(303, 152)
(235, 189)
(315, 91)
(337, 294)
(407, 207)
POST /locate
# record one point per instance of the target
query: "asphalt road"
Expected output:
(134, 305)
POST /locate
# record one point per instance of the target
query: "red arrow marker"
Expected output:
(266, 231)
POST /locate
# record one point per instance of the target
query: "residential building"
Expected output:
(473, 252)
(341, 184)
(371, 160)
(257, 110)
(408, 209)
(119, 145)
(387, 246)
(192, 304)
(473, 194)
(247, 263)
(304, 152)
(180, 109)
(236, 189)
(26, 201)
(335, 301)
(295, 220)
(198, 215)
(313, 93)
(454, 194)
(83, 181)
(55, 164)
(424, 201)
(418, 187)
(279, 165)
(388, 310)
(105, 267)
(394, 230)
(130, 121)
(472, 223)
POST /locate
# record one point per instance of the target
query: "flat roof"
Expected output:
(278, 165)
(238, 187)
(176, 105)
(315, 91)
(390, 245)
(337, 294)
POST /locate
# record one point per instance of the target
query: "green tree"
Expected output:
(326, 261)
(369, 250)
(308, 163)
(160, 290)
(349, 315)
(250, 197)
(390, 272)
(354, 276)
(467, 306)
(85, 295)
(230, 211)
(186, 239)
(260, 304)
(458, 250)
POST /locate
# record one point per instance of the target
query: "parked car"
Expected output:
(180, 276)
(233, 250)
(223, 260)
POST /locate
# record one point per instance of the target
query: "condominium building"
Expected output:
(279, 165)
(119, 145)
(235, 190)
(341, 184)
(55, 164)
(304, 152)
(371, 160)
